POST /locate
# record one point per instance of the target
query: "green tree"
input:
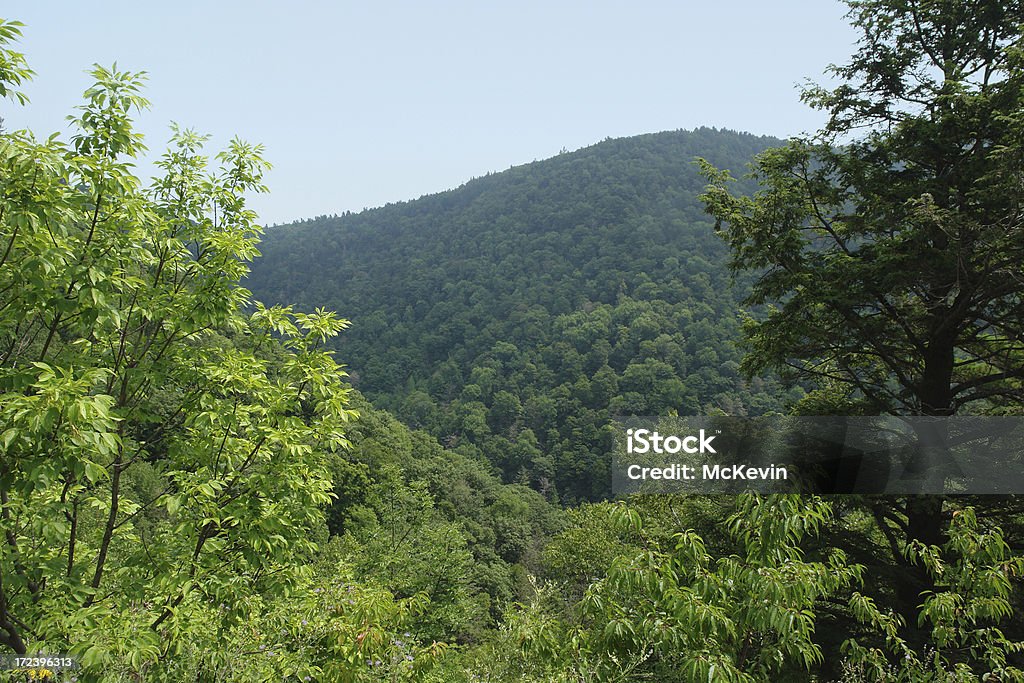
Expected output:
(409, 549)
(889, 245)
(160, 451)
(972, 572)
(894, 257)
(675, 612)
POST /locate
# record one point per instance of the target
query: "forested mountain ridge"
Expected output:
(191, 490)
(511, 316)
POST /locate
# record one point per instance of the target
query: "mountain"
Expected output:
(512, 316)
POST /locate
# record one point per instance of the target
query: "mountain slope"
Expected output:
(512, 315)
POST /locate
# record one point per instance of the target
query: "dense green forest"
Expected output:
(207, 475)
(513, 316)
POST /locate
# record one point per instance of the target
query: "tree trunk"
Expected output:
(925, 519)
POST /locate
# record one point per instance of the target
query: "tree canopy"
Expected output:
(890, 244)
(888, 247)
(191, 490)
(157, 454)
(513, 316)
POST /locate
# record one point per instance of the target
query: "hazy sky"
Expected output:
(360, 104)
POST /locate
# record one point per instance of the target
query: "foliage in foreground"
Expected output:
(674, 611)
(161, 457)
(888, 246)
(166, 458)
(169, 449)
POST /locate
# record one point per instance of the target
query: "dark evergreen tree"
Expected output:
(889, 246)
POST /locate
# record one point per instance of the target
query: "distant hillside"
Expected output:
(511, 316)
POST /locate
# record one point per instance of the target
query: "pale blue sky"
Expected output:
(360, 104)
